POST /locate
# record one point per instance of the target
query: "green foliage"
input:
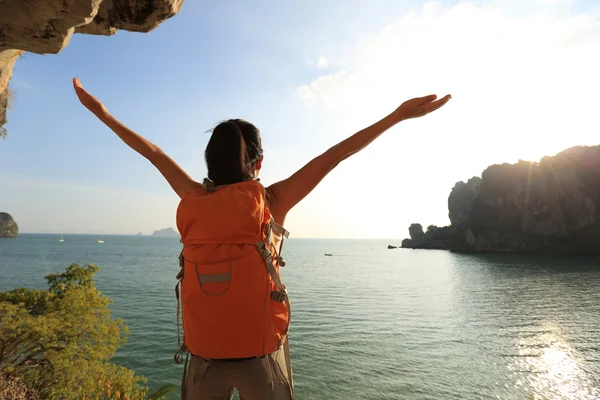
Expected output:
(59, 341)
(432, 229)
(162, 392)
(5, 97)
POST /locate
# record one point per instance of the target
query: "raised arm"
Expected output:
(181, 183)
(289, 192)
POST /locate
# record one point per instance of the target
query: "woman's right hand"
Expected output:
(89, 101)
(419, 107)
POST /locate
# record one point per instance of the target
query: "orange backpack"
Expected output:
(233, 303)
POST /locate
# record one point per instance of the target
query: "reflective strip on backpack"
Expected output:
(214, 278)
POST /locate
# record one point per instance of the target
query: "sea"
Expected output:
(368, 322)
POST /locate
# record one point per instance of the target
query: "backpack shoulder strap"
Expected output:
(208, 185)
(278, 229)
(181, 346)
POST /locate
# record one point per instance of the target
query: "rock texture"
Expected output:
(46, 26)
(8, 226)
(547, 207)
(435, 238)
(460, 202)
(7, 62)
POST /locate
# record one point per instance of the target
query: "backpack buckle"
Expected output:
(208, 185)
(178, 357)
(181, 264)
(278, 296)
(280, 261)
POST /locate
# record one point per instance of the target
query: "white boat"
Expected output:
(99, 240)
(61, 238)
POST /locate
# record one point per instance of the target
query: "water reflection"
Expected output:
(552, 370)
(543, 314)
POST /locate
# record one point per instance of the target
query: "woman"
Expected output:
(235, 309)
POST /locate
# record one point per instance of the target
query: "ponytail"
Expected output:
(227, 156)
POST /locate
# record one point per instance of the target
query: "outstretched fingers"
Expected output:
(79, 90)
(434, 105)
(428, 99)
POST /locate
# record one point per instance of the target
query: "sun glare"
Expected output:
(551, 368)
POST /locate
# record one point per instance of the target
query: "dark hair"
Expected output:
(233, 149)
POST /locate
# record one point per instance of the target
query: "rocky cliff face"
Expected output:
(435, 238)
(460, 202)
(547, 207)
(8, 226)
(46, 26)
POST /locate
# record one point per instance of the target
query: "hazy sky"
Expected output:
(523, 75)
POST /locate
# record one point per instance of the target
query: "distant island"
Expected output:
(550, 207)
(167, 232)
(435, 238)
(140, 234)
(8, 226)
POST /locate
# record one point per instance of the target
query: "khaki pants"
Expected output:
(264, 378)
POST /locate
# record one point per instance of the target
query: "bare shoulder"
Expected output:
(190, 188)
(276, 206)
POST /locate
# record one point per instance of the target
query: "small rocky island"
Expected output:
(167, 232)
(550, 207)
(435, 238)
(8, 226)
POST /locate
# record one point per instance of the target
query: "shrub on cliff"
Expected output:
(59, 342)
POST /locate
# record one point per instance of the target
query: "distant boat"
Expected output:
(61, 238)
(99, 240)
(328, 254)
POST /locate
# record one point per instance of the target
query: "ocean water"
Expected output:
(368, 322)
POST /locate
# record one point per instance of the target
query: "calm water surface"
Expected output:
(369, 323)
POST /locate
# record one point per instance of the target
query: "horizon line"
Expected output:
(135, 234)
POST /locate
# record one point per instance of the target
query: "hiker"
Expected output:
(235, 309)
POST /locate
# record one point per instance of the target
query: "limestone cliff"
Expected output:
(435, 238)
(8, 226)
(460, 202)
(46, 26)
(547, 207)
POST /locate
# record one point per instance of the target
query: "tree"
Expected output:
(59, 341)
(432, 229)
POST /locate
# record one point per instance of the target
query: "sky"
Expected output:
(522, 74)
